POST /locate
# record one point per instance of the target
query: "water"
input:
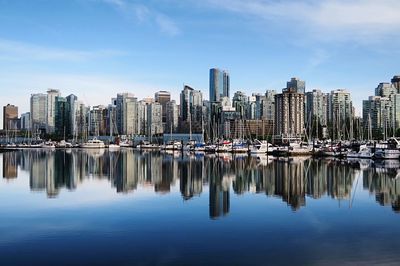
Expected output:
(131, 208)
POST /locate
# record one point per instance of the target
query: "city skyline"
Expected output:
(120, 42)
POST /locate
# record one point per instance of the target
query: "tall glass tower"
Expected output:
(219, 84)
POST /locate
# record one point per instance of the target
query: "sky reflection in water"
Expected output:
(149, 208)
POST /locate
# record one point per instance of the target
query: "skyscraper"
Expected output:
(191, 109)
(396, 83)
(154, 119)
(376, 114)
(297, 84)
(340, 113)
(219, 84)
(26, 121)
(51, 109)
(38, 106)
(163, 97)
(385, 89)
(62, 117)
(172, 112)
(316, 107)
(289, 114)
(126, 111)
(10, 116)
(72, 102)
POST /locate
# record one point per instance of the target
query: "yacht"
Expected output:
(225, 146)
(199, 147)
(261, 147)
(173, 145)
(239, 147)
(364, 152)
(145, 145)
(48, 145)
(388, 151)
(126, 144)
(63, 144)
(93, 144)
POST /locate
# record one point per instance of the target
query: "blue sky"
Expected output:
(97, 48)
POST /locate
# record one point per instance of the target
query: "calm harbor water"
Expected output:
(131, 208)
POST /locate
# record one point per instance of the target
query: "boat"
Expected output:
(126, 144)
(48, 145)
(173, 146)
(145, 145)
(261, 147)
(293, 149)
(388, 151)
(199, 147)
(211, 148)
(224, 146)
(63, 144)
(239, 147)
(364, 152)
(93, 144)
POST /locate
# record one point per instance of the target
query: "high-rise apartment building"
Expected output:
(377, 116)
(10, 117)
(172, 112)
(297, 84)
(289, 114)
(340, 114)
(191, 109)
(26, 121)
(385, 89)
(316, 107)
(62, 126)
(126, 111)
(52, 94)
(154, 119)
(163, 97)
(219, 84)
(396, 83)
(72, 102)
(38, 107)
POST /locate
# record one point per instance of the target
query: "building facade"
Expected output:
(289, 114)
(219, 84)
(10, 117)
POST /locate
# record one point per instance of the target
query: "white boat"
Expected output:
(48, 145)
(239, 147)
(364, 152)
(225, 146)
(63, 144)
(145, 145)
(173, 146)
(93, 144)
(126, 144)
(389, 151)
(261, 147)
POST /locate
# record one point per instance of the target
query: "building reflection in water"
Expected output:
(384, 181)
(292, 179)
(10, 165)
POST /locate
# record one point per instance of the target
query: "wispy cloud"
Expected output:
(13, 50)
(358, 20)
(143, 14)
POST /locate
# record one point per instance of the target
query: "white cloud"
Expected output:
(167, 25)
(15, 51)
(143, 14)
(358, 20)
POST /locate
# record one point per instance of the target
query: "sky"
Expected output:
(98, 48)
